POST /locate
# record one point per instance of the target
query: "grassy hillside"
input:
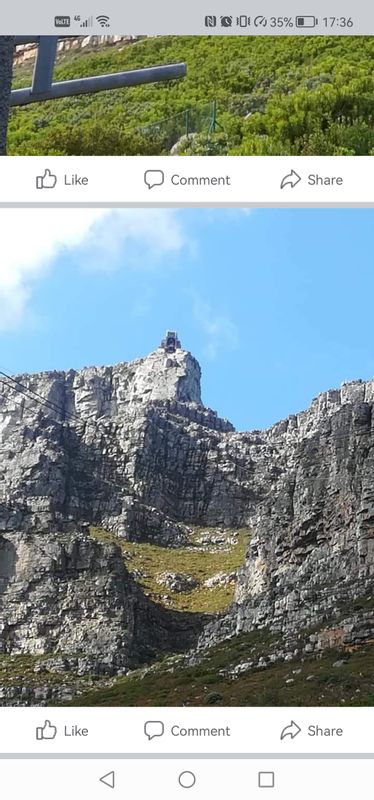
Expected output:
(308, 682)
(281, 95)
(197, 561)
(247, 670)
(222, 677)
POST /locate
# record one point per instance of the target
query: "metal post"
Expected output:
(214, 119)
(6, 65)
(44, 65)
(42, 87)
(99, 83)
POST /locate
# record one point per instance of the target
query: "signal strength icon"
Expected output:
(87, 23)
(103, 20)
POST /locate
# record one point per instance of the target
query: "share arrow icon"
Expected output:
(108, 779)
(291, 730)
(292, 179)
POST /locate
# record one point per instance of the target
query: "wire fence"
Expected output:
(200, 119)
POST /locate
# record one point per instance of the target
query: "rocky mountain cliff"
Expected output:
(26, 52)
(310, 562)
(132, 451)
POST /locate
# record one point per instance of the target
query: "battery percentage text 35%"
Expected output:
(273, 22)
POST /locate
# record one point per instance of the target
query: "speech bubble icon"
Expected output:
(154, 177)
(154, 728)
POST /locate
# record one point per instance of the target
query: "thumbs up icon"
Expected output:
(46, 181)
(48, 731)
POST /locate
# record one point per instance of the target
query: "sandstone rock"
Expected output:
(220, 579)
(71, 595)
(311, 555)
(26, 52)
(177, 582)
(132, 449)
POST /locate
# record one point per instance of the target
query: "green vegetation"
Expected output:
(365, 603)
(21, 675)
(275, 96)
(173, 682)
(246, 670)
(147, 562)
(25, 669)
(306, 682)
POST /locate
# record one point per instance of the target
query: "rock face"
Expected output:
(79, 448)
(26, 52)
(67, 593)
(132, 449)
(310, 563)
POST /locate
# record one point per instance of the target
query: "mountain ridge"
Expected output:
(132, 450)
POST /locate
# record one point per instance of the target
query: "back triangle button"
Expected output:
(108, 779)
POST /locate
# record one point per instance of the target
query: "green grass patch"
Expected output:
(309, 682)
(282, 95)
(147, 562)
(16, 668)
(32, 671)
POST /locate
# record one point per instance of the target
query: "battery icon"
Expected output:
(306, 22)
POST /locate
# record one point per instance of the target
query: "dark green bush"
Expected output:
(275, 95)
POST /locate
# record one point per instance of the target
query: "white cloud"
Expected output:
(32, 239)
(140, 236)
(219, 330)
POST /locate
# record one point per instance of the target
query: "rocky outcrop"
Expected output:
(71, 443)
(69, 594)
(26, 52)
(310, 563)
(132, 449)
(70, 447)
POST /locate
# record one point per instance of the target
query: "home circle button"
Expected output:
(187, 780)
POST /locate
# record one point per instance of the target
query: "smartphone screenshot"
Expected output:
(186, 400)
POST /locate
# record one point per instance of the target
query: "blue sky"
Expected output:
(277, 305)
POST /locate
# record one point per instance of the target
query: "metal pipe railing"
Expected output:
(99, 83)
(42, 87)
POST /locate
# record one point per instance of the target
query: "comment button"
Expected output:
(153, 729)
(154, 177)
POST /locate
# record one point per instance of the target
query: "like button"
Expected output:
(46, 181)
(48, 731)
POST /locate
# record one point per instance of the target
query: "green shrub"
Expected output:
(275, 95)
